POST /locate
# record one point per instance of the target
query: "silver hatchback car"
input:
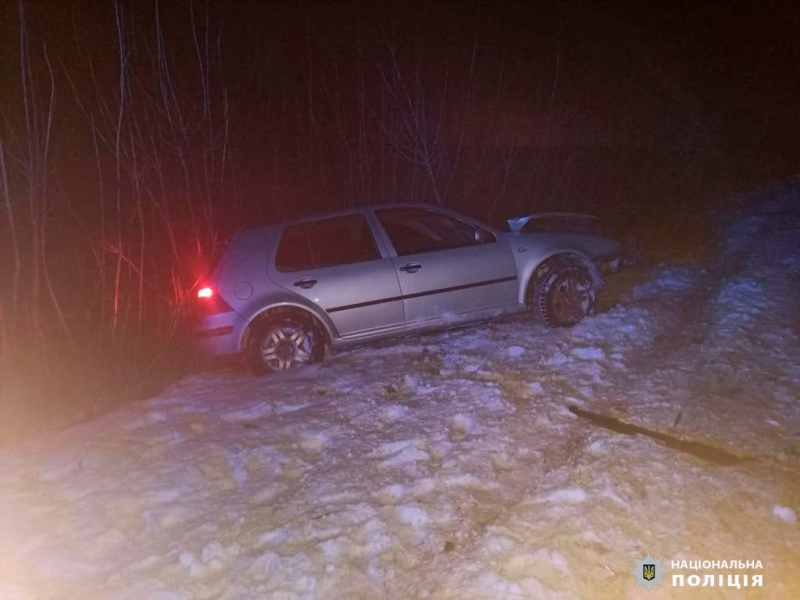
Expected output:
(282, 294)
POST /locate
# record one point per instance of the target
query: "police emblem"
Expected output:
(648, 572)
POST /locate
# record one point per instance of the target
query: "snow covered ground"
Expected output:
(450, 465)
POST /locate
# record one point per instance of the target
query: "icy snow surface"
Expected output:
(448, 465)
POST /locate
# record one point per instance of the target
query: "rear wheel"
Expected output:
(564, 296)
(284, 342)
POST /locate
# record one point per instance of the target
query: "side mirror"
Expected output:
(483, 237)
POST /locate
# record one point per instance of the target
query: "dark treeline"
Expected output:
(136, 136)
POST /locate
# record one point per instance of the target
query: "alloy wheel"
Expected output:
(571, 298)
(287, 346)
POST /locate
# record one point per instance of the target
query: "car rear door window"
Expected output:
(414, 231)
(341, 241)
(294, 251)
(326, 243)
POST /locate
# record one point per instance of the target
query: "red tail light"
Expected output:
(210, 302)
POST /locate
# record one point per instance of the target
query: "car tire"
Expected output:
(563, 296)
(283, 342)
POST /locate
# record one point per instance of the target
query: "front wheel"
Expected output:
(282, 343)
(564, 296)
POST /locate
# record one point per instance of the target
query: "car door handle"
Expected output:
(305, 283)
(411, 267)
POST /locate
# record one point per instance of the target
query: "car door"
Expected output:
(335, 263)
(447, 265)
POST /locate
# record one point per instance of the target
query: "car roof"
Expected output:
(256, 234)
(313, 216)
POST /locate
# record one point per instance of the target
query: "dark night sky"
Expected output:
(737, 53)
(741, 58)
(731, 68)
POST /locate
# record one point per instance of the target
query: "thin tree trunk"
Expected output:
(12, 226)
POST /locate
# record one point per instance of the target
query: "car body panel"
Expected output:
(456, 281)
(245, 262)
(446, 283)
(358, 298)
(531, 250)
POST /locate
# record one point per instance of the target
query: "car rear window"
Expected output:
(326, 243)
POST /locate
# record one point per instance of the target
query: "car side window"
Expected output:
(326, 243)
(294, 251)
(414, 231)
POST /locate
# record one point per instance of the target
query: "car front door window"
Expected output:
(416, 231)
